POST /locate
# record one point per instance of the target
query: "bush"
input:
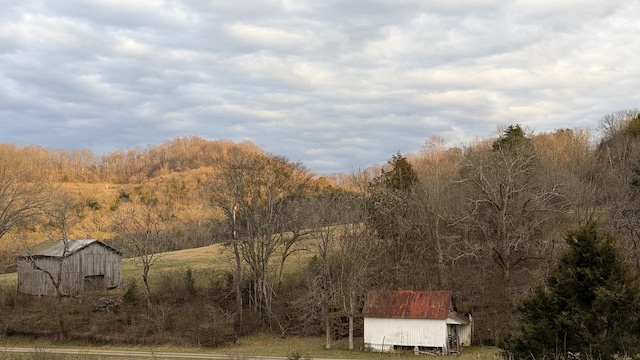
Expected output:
(131, 294)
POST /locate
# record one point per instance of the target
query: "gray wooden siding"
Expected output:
(93, 260)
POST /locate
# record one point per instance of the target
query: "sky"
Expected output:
(337, 85)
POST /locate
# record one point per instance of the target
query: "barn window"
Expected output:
(94, 282)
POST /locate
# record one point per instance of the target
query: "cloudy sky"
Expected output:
(335, 84)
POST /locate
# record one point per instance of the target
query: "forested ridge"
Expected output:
(486, 220)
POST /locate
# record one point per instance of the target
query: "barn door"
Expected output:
(94, 283)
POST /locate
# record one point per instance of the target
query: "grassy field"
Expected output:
(204, 261)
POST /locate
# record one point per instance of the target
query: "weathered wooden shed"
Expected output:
(414, 320)
(85, 265)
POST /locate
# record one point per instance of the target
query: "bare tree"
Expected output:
(322, 281)
(61, 216)
(619, 153)
(436, 203)
(142, 223)
(328, 213)
(613, 124)
(23, 196)
(225, 192)
(354, 258)
(252, 189)
(510, 207)
(568, 157)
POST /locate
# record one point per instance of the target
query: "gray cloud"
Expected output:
(333, 84)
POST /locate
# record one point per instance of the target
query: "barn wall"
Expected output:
(383, 334)
(73, 280)
(93, 260)
(465, 333)
(36, 282)
(96, 259)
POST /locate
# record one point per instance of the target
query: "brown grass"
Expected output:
(313, 347)
(291, 347)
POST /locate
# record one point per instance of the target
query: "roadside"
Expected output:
(257, 347)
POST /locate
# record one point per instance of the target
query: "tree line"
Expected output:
(123, 166)
(487, 220)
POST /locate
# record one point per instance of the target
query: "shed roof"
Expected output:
(409, 304)
(56, 248)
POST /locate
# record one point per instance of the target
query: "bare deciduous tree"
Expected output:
(61, 216)
(619, 185)
(436, 203)
(23, 196)
(509, 204)
(352, 276)
(252, 190)
(328, 214)
(142, 224)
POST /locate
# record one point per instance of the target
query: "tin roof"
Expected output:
(408, 304)
(56, 248)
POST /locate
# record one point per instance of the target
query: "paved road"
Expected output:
(134, 354)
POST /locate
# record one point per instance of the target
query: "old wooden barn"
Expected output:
(415, 321)
(85, 265)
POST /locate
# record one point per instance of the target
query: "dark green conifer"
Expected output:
(512, 138)
(589, 305)
(401, 175)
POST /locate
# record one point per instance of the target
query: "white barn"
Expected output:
(85, 265)
(414, 320)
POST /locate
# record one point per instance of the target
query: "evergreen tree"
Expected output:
(512, 138)
(392, 211)
(401, 176)
(389, 198)
(589, 305)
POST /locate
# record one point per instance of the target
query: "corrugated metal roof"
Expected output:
(457, 318)
(55, 248)
(409, 304)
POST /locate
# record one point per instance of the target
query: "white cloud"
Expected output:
(126, 46)
(262, 37)
(333, 84)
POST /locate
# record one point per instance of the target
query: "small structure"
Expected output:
(83, 265)
(414, 320)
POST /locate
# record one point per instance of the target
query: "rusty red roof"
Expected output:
(409, 304)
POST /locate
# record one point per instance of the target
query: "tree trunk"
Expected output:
(61, 326)
(327, 327)
(352, 310)
(238, 285)
(442, 268)
(351, 332)
(147, 291)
